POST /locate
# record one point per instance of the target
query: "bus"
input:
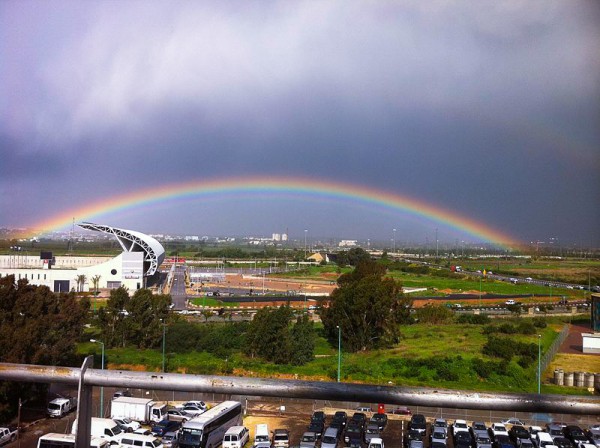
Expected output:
(207, 430)
(56, 440)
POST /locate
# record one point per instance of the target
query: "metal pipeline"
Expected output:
(321, 390)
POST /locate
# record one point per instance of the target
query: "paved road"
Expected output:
(178, 294)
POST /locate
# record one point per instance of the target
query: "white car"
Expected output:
(376, 443)
(459, 426)
(197, 403)
(498, 429)
(513, 421)
(127, 424)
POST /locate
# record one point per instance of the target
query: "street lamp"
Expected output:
(394, 240)
(163, 345)
(339, 352)
(101, 387)
(305, 232)
(539, 364)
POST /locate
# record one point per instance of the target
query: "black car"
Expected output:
(463, 438)
(165, 426)
(380, 420)
(575, 434)
(518, 432)
(317, 427)
(418, 423)
(353, 432)
(340, 418)
(563, 442)
(318, 416)
(414, 434)
(502, 441)
(360, 418)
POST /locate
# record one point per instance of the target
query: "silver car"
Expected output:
(169, 440)
(308, 440)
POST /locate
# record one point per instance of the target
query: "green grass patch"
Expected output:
(209, 301)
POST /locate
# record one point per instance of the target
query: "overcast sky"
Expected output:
(489, 109)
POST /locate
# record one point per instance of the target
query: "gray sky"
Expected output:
(488, 109)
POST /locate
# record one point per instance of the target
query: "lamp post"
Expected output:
(305, 231)
(163, 345)
(339, 352)
(539, 364)
(101, 387)
(394, 241)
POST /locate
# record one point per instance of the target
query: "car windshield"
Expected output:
(460, 425)
(53, 406)
(329, 439)
(310, 438)
(438, 435)
(479, 426)
(191, 436)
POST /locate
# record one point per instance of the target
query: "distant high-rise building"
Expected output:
(276, 237)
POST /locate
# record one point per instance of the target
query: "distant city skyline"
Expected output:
(481, 120)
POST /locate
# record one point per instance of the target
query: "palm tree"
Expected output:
(96, 282)
(80, 279)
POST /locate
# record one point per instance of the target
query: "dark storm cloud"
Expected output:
(488, 110)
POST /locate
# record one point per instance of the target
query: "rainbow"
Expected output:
(270, 185)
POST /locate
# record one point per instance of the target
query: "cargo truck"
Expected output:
(143, 410)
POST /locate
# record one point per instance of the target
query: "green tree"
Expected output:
(302, 341)
(367, 307)
(96, 283)
(111, 318)
(37, 326)
(145, 311)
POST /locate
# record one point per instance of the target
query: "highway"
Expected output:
(178, 294)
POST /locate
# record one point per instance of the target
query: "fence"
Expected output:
(549, 356)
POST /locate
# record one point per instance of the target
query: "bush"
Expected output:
(526, 328)
(475, 319)
(499, 347)
(539, 322)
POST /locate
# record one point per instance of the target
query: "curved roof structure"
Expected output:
(132, 241)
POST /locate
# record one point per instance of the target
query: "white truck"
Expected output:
(143, 410)
(60, 407)
(7, 435)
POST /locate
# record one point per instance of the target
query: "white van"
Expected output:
(106, 428)
(236, 437)
(59, 440)
(330, 438)
(262, 436)
(140, 440)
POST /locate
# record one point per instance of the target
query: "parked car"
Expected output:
(462, 439)
(318, 416)
(127, 424)
(418, 423)
(440, 423)
(169, 440)
(354, 432)
(317, 427)
(122, 393)
(281, 438)
(525, 443)
(555, 430)
(498, 429)
(380, 420)
(165, 426)
(513, 420)
(192, 411)
(340, 418)
(330, 437)
(518, 432)
(575, 434)
(416, 444)
(372, 432)
(594, 436)
(413, 434)
(479, 429)
(563, 442)
(460, 426)
(308, 440)
(376, 443)
(483, 441)
(503, 441)
(364, 409)
(359, 417)
(439, 435)
(198, 403)
(177, 415)
(401, 410)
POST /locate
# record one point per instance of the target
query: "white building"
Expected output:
(141, 257)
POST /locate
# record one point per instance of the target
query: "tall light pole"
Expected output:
(101, 387)
(539, 364)
(394, 240)
(164, 325)
(339, 352)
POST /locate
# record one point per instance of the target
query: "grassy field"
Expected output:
(428, 356)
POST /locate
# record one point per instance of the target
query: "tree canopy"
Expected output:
(367, 307)
(272, 337)
(37, 326)
(133, 320)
